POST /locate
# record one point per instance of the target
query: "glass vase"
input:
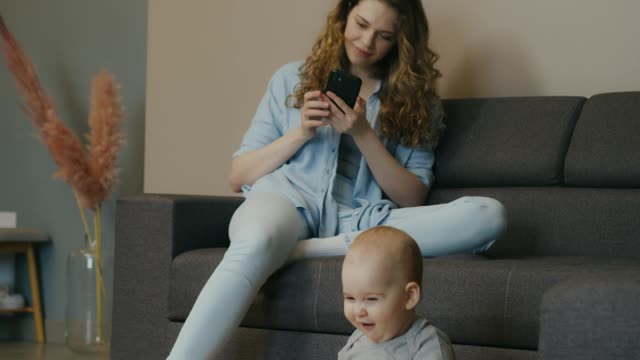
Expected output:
(88, 311)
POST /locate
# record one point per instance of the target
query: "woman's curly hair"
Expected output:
(408, 71)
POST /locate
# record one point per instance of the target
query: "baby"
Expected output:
(381, 277)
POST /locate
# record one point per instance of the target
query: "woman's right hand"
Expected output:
(314, 114)
(247, 168)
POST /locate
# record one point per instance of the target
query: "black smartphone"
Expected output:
(345, 85)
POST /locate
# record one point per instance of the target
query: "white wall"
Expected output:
(209, 63)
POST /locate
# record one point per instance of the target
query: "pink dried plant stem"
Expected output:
(92, 171)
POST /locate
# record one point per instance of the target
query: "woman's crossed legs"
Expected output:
(466, 225)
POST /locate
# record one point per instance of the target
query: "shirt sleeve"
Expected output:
(422, 158)
(434, 345)
(420, 162)
(268, 122)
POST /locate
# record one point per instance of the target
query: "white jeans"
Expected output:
(466, 225)
(266, 228)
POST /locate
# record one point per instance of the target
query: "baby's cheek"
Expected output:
(347, 310)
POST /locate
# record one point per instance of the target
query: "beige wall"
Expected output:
(209, 63)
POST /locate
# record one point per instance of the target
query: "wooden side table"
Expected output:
(24, 240)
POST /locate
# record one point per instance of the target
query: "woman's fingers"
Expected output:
(337, 112)
(314, 107)
(311, 95)
(361, 105)
(349, 121)
(316, 123)
(316, 104)
(337, 101)
(315, 113)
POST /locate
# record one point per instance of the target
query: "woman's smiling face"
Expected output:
(370, 33)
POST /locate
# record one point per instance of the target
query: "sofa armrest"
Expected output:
(196, 221)
(592, 318)
(150, 231)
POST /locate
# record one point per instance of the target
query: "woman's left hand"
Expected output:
(351, 121)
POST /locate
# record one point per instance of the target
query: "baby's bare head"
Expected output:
(391, 251)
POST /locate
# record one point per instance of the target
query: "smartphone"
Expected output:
(345, 85)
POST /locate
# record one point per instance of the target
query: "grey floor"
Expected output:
(33, 351)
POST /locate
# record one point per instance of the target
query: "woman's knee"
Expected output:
(265, 216)
(489, 213)
(255, 252)
(265, 235)
(259, 239)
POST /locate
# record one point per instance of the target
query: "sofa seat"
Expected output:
(474, 299)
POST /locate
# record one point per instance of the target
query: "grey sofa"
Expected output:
(562, 283)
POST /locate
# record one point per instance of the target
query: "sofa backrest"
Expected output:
(605, 146)
(566, 168)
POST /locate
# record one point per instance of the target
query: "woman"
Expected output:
(312, 168)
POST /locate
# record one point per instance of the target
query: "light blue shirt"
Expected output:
(307, 178)
(349, 159)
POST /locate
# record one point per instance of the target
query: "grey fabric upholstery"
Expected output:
(469, 352)
(263, 344)
(150, 230)
(506, 141)
(561, 221)
(594, 317)
(563, 266)
(144, 242)
(475, 301)
(605, 149)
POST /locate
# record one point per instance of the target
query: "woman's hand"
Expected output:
(399, 184)
(346, 120)
(313, 114)
(252, 165)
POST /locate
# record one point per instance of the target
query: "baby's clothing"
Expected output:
(422, 341)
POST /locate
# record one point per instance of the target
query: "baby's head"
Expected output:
(381, 277)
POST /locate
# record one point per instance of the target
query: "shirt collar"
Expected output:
(378, 86)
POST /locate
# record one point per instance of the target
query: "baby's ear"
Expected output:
(412, 291)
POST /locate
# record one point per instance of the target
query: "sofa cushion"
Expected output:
(560, 221)
(592, 318)
(476, 301)
(505, 141)
(605, 147)
(496, 302)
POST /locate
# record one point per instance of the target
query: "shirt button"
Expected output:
(356, 213)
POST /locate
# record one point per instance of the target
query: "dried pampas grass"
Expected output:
(91, 171)
(105, 137)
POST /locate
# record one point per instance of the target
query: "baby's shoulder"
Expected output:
(424, 339)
